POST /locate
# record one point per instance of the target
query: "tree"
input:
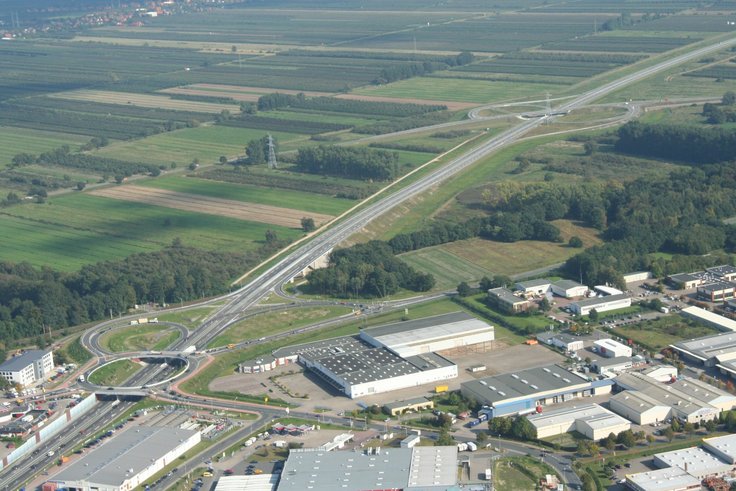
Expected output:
(593, 315)
(444, 438)
(676, 425)
(588, 483)
(223, 159)
(575, 242)
(254, 153)
(590, 147)
(522, 429)
(626, 438)
(500, 426)
(463, 289)
(689, 428)
(308, 224)
(481, 437)
(729, 98)
(650, 438)
(485, 284)
(545, 305)
(609, 442)
(81, 185)
(271, 236)
(668, 433)
(710, 426)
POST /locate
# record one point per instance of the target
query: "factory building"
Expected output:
(637, 276)
(696, 461)
(711, 351)
(504, 299)
(568, 289)
(601, 304)
(411, 469)
(591, 420)
(610, 367)
(719, 291)
(534, 287)
(522, 392)
(724, 447)
(709, 318)
(685, 281)
(400, 407)
(28, 368)
(563, 341)
(639, 407)
(394, 356)
(667, 479)
(690, 400)
(430, 334)
(612, 349)
(125, 461)
(256, 482)
(661, 373)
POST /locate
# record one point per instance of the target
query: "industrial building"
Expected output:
(28, 368)
(639, 407)
(696, 461)
(685, 281)
(605, 290)
(255, 482)
(591, 420)
(504, 299)
(430, 334)
(410, 469)
(637, 276)
(601, 304)
(662, 373)
(709, 318)
(394, 356)
(724, 447)
(667, 479)
(612, 349)
(711, 351)
(563, 341)
(610, 367)
(690, 400)
(534, 287)
(522, 392)
(724, 272)
(416, 404)
(127, 460)
(718, 291)
(568, 289)
(410, 441)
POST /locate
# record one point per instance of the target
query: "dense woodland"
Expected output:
(353, 163)
(34, 301)
(369, 269)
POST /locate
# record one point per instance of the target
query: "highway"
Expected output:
(285, 269)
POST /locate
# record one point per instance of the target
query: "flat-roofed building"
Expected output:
(661, 373)
(255, 482)
(437, 333)
(591, 420)
(521, 392)
(685, 281)
(639, 407)
(504, 299)
(601, 304)
(610, 367)
(534, 287)
(127, 459)
(561, 340)
(667, 479)
(696, 461)
(725, 272)
(410, 441)
(718, 291)
(612, 349)
(410, 469)
(709, 318)
(724, 447)
(28, 368)
(568, 289)
(607, 290)
(415, 404)
(637, 276)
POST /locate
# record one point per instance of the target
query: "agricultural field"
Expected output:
(77, 229)
(144, 100)
(21, 140)
(299, 200)
(235, 92)
(275, 215)
(139, 338)
(206, 143)
(621, 44)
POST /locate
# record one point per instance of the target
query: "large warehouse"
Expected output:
(591, 420)
(709, 318)
(688, 399)
(711, 351)
(416, 468)
(522, 392)
(601, 304)
(612, 349)
(127, 460)
(438, 333)
(393, 356)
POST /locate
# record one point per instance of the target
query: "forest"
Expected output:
(369, 269)
(353, 163)
(34, 301)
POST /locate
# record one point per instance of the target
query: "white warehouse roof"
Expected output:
(592, 415)
(710, 318)
(667, 479)
(262, 482)
(723, 446)
(694, 460)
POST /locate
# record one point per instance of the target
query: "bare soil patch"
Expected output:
(237, 92)
(144, 100)
(253, 212)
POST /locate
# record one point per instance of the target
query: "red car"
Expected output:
(229, 472)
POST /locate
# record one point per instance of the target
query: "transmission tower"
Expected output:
(272, 164)
(547, 109)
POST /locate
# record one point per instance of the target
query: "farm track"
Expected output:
(253, 212)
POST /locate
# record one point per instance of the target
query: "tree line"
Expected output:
(34, 301)
(367, 270)
(279, 100)
(352, 163)
(417, 69)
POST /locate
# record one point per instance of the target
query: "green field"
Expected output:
(519, 473)
(206, 143)
(447, 268)
(21, 140)
(274, 323)
(77, 229)
(454, 89)
(115, 373)
(139, 338)
(190, 318)
(660, 333)
(299, 200)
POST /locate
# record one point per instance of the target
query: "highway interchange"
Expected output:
(246, 297)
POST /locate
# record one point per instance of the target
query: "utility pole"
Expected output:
(272, 164)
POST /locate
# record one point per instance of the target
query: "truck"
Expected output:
(461, 447)
(81, 378)
(488, 474)
(440, 389)
(481, 418)
(190, 349)
(472, 447)
(664, 310)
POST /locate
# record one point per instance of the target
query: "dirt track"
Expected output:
(253, 212)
